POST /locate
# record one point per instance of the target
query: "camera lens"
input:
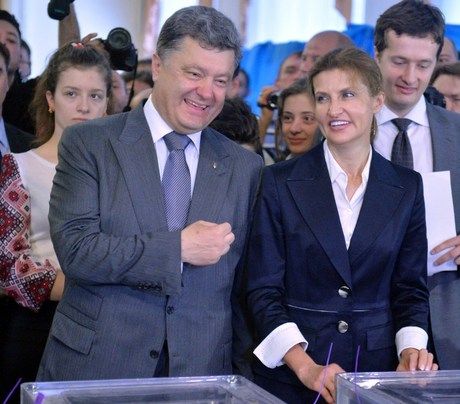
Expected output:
(119, 39)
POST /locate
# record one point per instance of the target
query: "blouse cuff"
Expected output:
(272, 349)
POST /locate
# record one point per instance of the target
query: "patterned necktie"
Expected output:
(401, 152)
(176, 181)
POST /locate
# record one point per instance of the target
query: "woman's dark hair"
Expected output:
(237, 122)
(69, 56)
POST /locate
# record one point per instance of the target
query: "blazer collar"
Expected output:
(311, 189)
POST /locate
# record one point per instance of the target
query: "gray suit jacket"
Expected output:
(445, 286)
(125, 292)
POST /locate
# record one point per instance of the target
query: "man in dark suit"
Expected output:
(144, 298)
(408, 41)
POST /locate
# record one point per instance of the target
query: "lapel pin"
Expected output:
(214, 165)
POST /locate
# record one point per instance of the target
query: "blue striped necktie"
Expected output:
(176, 181)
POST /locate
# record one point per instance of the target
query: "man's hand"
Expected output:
(203, 243)
(413, 359)
(453, 254)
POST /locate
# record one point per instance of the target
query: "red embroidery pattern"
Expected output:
(25, 280)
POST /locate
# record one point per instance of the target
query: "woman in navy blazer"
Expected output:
(337, 254)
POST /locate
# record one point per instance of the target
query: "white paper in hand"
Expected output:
(440, 217)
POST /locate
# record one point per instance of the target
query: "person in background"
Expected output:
(337, 250)
(446, 79)
(408, 40)
(296, 123)
(448, 53)
(120, 96)
(320, 44)
(16, 109)
(148, 215)
(142, 81)
(288, 73)
(11, 138)
(74, 88)
(25, 64)
(237, 122)
(240, 85)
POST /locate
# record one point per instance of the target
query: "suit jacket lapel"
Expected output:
(310, 186)
(137, 157)
(212, 179)
(442, 138)
(381, 199)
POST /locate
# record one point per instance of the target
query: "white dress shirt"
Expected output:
(418, 133)
(273, 348)
(159, 128)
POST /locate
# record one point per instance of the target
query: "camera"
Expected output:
(59, 9)
(123, 54)
(272, 100)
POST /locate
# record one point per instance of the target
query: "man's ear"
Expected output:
(156, 66)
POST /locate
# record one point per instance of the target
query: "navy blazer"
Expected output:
(301, 271)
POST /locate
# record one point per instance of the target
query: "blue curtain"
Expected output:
(262, 61)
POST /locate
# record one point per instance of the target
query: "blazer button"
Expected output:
(154, 354)
(344, 291)
(342, 327)
(170, 309)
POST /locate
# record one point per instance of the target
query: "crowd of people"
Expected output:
(153, 226)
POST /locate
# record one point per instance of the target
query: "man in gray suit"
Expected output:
(408, 40)
(143, 298)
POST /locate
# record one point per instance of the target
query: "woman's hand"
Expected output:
(413, 359)
(316, 377)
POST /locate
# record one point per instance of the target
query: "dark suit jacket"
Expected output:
(125, 293)
(300, 270)
(18, 140)
(445, 286)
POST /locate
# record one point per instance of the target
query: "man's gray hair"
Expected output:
(209, 27)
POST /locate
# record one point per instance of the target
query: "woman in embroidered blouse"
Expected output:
(74, 88)
(337, 252)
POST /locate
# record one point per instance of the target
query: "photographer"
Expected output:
(288, 73)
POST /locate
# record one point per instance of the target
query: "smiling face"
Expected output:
(406, 65)
(81, 95)
(344, 107)
(298, 123)
(190, 85)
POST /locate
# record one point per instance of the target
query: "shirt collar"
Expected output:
(335, 171)
(159, 128)
(417, 114)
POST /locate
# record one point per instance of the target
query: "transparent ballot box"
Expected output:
(399, 387)
(177, 390)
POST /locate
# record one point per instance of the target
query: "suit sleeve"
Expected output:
(409, 282)
(86, 254)
(266, 260)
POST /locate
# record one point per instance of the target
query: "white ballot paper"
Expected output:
(440, 218)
